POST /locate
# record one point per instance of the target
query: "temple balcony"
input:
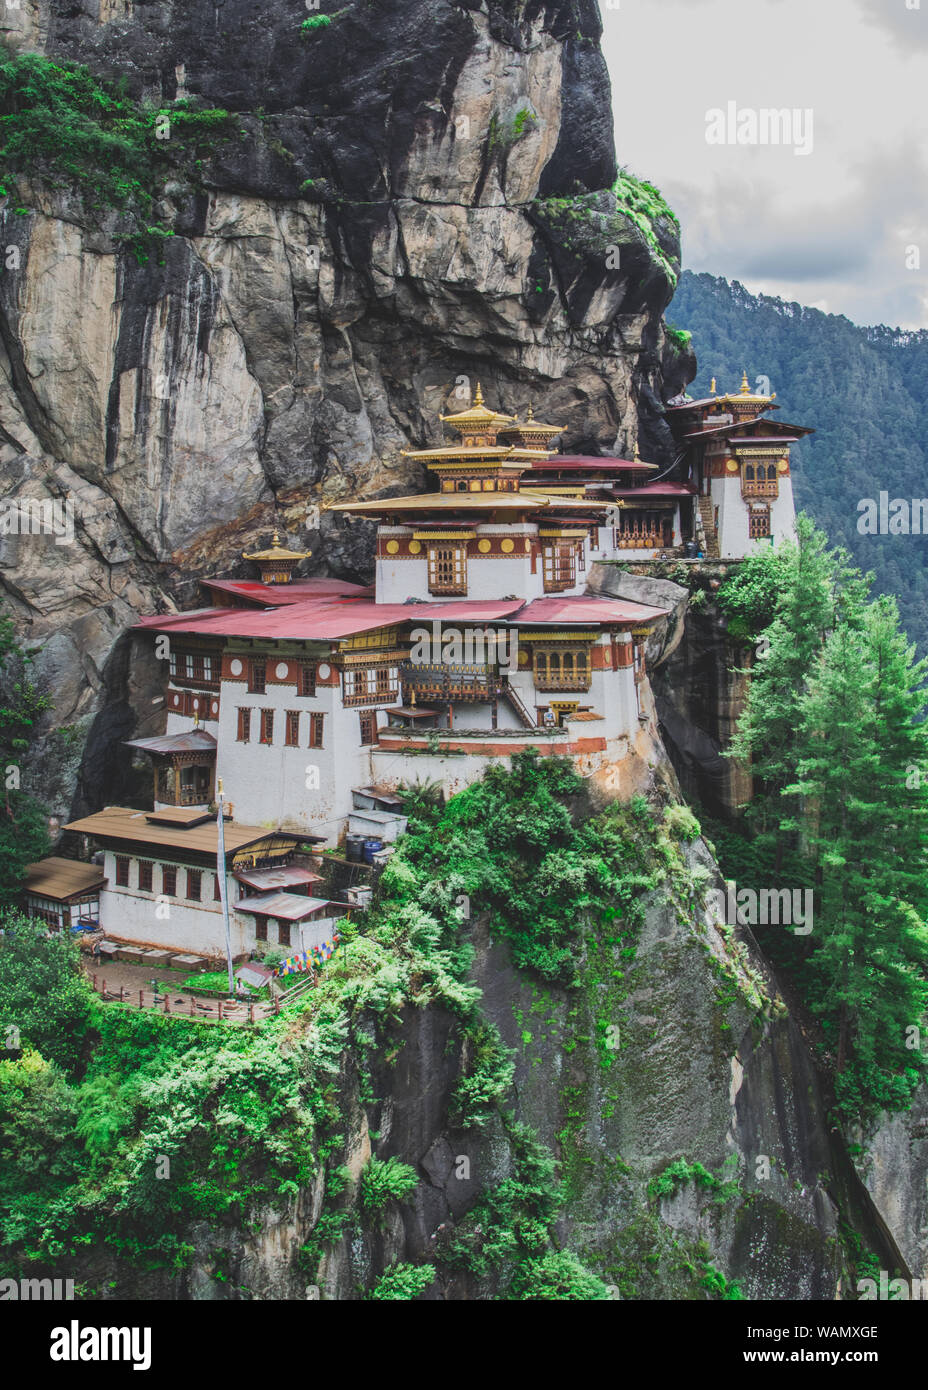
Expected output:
(563, 682)
(754, 487)
(640, 540)
(471, 682)
(372, 697)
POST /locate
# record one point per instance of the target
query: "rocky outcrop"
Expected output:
(413, 197)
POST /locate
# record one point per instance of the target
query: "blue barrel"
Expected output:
(370, 849)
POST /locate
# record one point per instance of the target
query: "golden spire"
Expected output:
(478, 395)
(745, 388)
(531, 413)
(412, 698)
(276, 564)
(712, 386)
(636, 456)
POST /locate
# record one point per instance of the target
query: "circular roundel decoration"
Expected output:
(783, 465)
(392, 547)
(507, 546)
(484, 546)
(214, 708)
(175, 700)
(323, 672)
(523, 657)
(196, 704)
(732, 465)
(281, 670)
(415, 547)
(527, 545)
(235, 666)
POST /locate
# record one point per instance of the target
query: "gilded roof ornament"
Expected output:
(277, 552)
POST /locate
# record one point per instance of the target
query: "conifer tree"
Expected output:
(859, 729)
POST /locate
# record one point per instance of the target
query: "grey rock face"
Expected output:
(378, 236)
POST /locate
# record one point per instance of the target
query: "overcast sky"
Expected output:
(833, 228)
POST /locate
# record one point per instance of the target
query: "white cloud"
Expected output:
(832, 226)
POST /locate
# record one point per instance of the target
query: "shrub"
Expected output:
(559, 1275)
(384, 1181)
(681, 824)
(403, 1282)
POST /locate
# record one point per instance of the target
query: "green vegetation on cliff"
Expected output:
(60, 126)
(23, 822)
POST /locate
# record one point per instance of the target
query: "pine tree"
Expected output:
(819, 588)
(859, 727)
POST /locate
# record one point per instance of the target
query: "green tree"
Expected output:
(43, 994)
(859, 730)
(818, 587)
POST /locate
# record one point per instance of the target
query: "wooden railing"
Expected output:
(754, 487)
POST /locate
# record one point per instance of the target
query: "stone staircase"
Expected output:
(707, 517)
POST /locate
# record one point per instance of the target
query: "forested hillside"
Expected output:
(863, 390)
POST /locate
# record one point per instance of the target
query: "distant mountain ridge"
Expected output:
(863, 389)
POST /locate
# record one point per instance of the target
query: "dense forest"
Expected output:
(863, 390)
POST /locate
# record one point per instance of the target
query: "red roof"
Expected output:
(657, 490)
(581, 608)
(586, 462)
(323, 619)
(296, 592)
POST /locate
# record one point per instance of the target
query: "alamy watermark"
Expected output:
(35, 516)
(470, 646)
(751, 907)
(767, 125)
(899, 517)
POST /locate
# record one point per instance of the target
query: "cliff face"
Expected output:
(409, 198)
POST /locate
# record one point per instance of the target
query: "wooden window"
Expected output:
(145, 875)
(368, 727)
(169, 880)
(759, 525)
(267, 726)
(122, 871)
(261, 929)
(560, 566)
(283, 932)
(561, 668)
(244, 725)
(316, 727)
(292, 733)
(217, 892)
(194, 885)
(306, 678)
(257, 675)
(448, 569)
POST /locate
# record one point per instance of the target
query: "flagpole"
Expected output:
(221, 876)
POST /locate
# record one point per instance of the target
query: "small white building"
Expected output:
(738, 456)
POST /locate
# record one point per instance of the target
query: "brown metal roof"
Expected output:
(179, 815)
(124, 823)
(62, 878)
(288, 876)
(292, 907)
(193, 741)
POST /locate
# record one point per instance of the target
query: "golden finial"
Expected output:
(478, 395)
(712, 386)
(531, 412)
(745, 388)
(275, 540)
(196, 719)
(636, 456)
(412, 699)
